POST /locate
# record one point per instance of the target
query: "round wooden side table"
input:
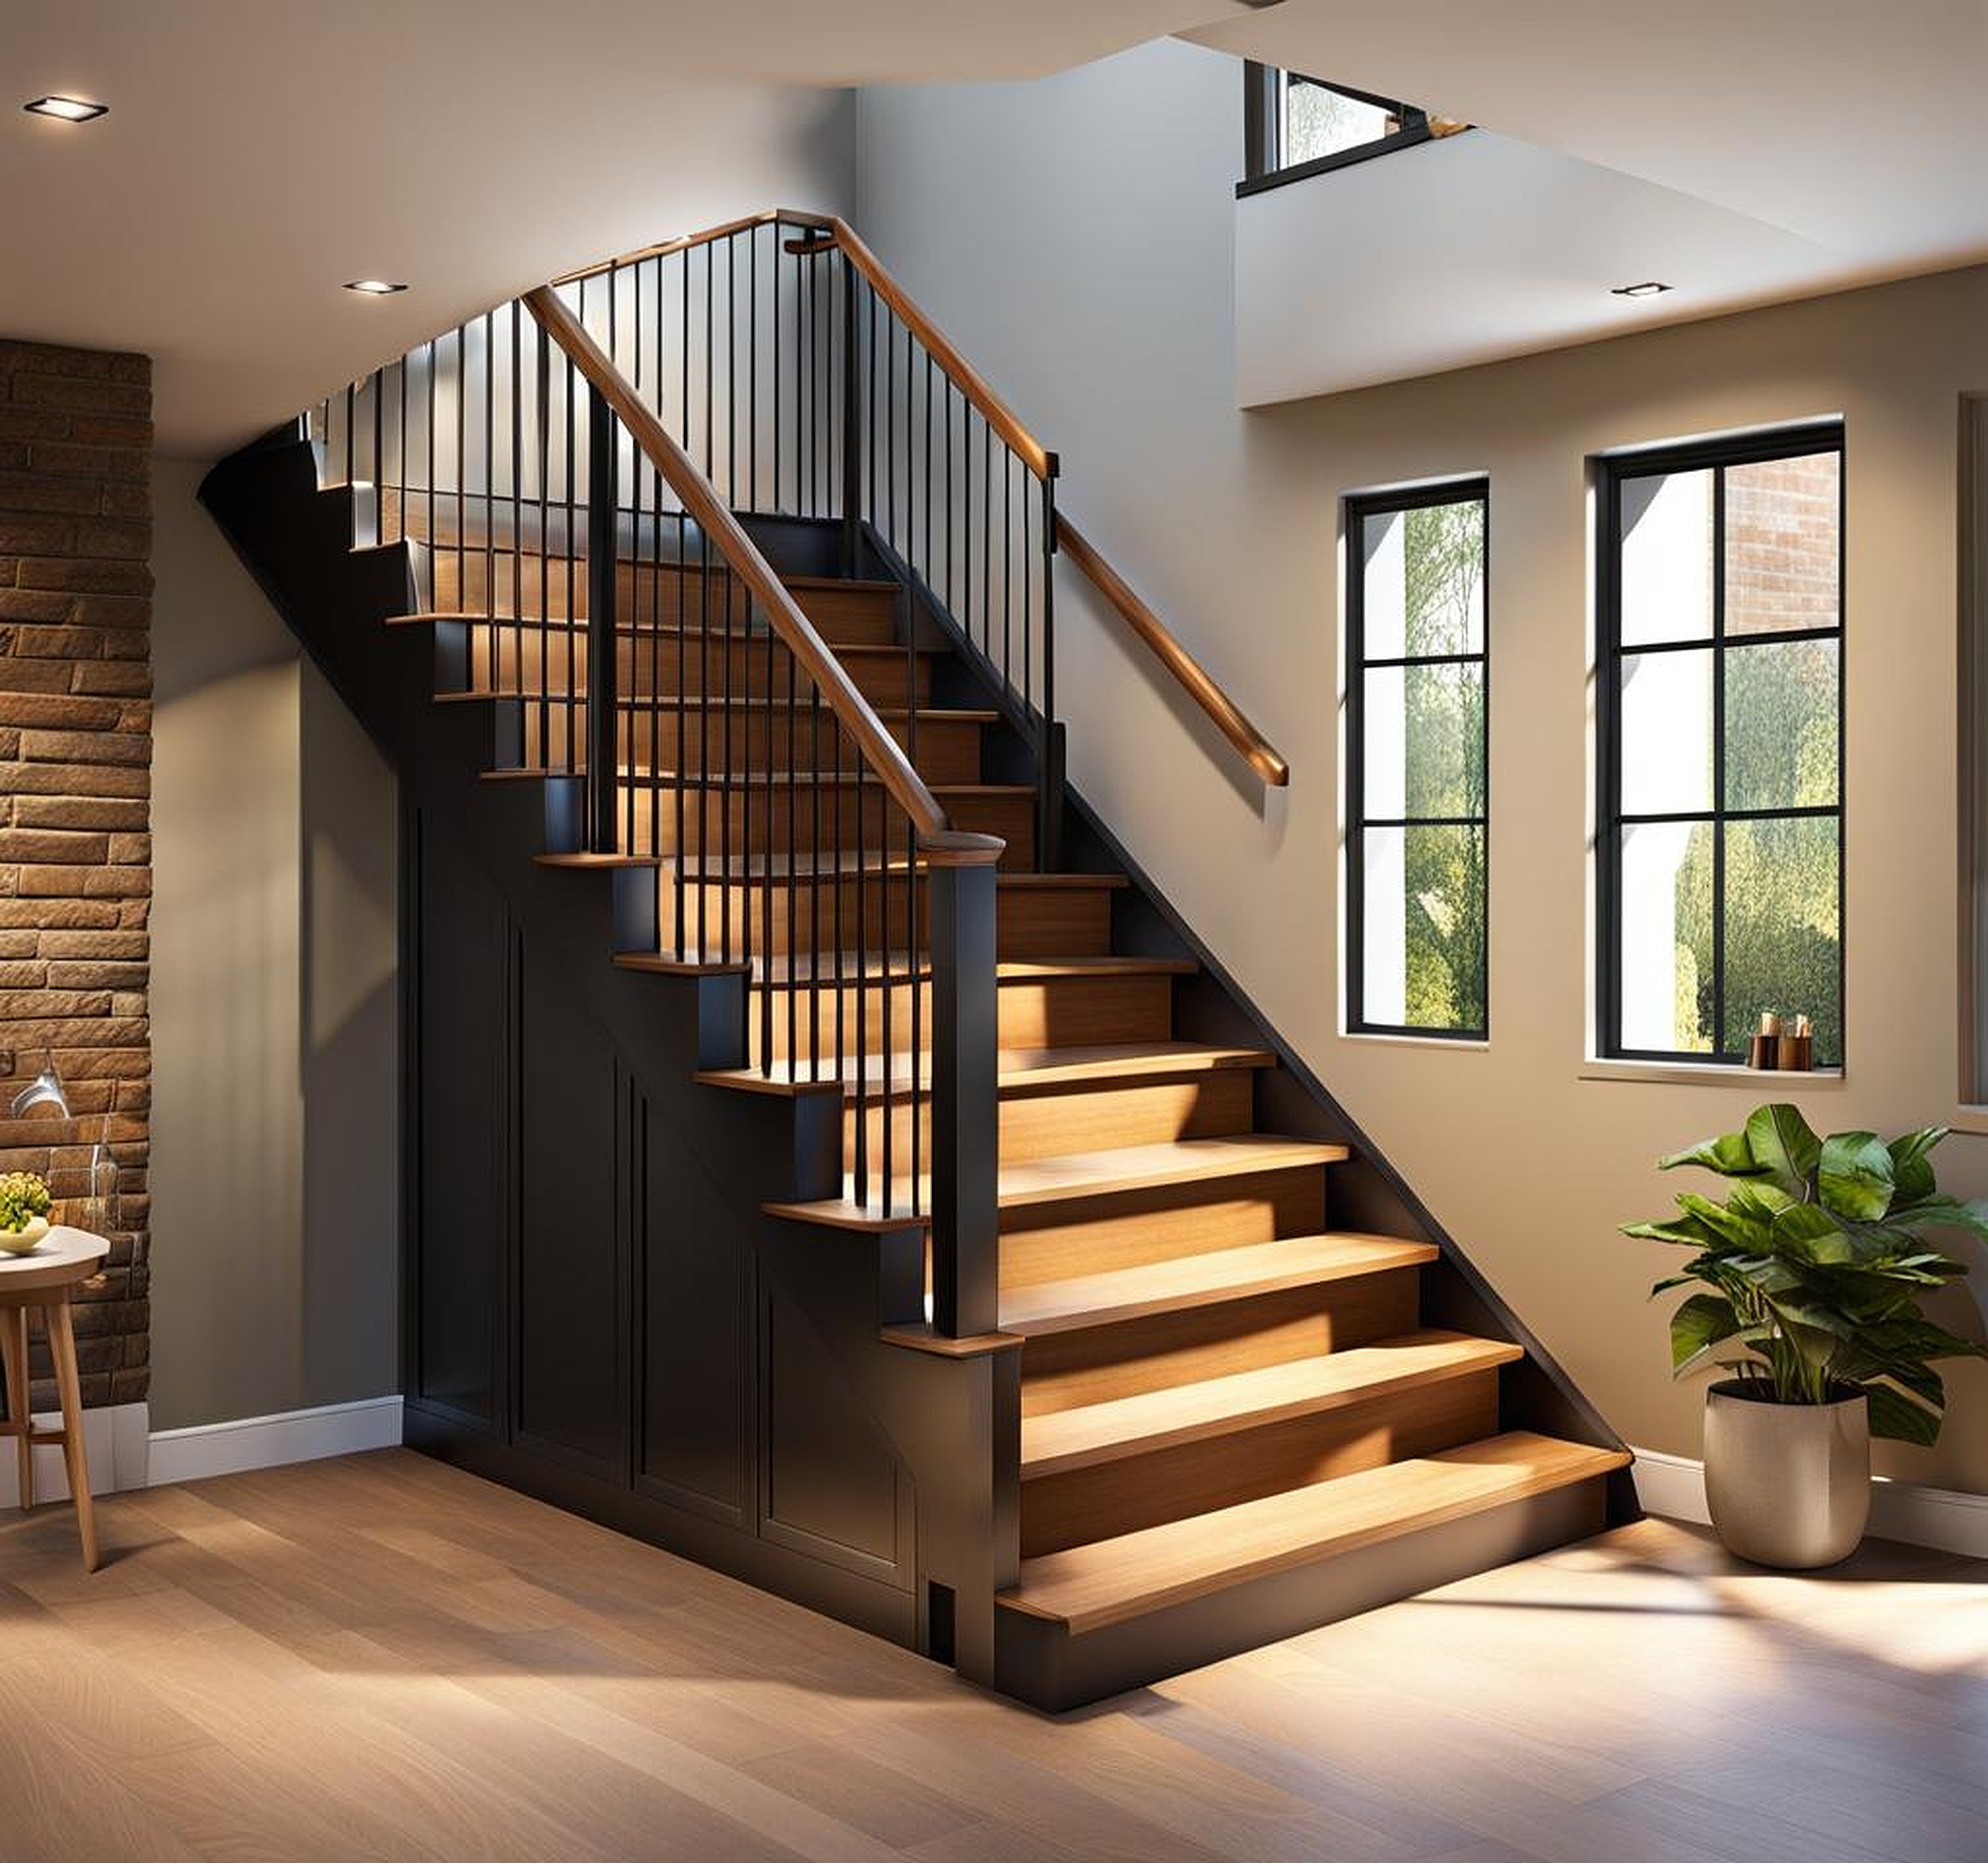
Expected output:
(43, 1281)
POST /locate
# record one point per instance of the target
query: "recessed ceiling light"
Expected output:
(1649, 288)
(374, 288)
(67, 109)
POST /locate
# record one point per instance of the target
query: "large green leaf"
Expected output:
(1939, 1212)
(1779, 1143)
(1703, 1321)
(1810, 1233)
(1854, 1175)
(1690, 1233)
(1911, 1169)
(1728, 1155)
(1732, 1227)
(1895, 1416)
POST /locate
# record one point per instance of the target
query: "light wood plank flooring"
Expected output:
(380, 1658)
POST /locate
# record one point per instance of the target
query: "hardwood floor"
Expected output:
(380, 1658)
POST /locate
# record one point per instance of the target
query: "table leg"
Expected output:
(62, 1348)
(14, 1351)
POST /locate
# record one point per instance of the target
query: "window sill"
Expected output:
(1971, 1121)
(1711, 1073)
(1450, 1044)
(1414, 138)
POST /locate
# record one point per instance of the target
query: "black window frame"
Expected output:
(1262, 138)
(1358, 508)
(1753, 448)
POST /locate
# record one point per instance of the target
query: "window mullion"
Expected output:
(1719, 1031)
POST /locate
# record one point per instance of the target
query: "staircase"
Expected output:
(1214, 1379)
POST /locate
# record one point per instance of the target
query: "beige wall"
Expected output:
(275, 1240)
(1091, 282)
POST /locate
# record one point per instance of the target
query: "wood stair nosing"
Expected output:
(1020, 1072)
(1089, 1587)
(829, 970)
(1080, 1176)
(1088, 1436)
(1180, 1283)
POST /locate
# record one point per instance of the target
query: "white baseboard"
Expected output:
(1674, 1486)
(269, 1442)
(116, 1438)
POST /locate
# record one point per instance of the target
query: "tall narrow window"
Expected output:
(1418, 836)
(1721, 846)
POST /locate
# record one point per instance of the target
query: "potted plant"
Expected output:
(24, 1212)
(1812, 1270)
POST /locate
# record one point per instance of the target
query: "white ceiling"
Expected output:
(1740, 150)
(259, 153)
(1471, 249)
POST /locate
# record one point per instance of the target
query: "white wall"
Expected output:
(1075, 237)
(274, 1265)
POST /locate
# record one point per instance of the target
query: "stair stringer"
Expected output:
(942, 1417)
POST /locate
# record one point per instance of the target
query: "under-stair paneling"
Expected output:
(456, 1091)
(831, 1485)
(694, 1404)
(571, 1274)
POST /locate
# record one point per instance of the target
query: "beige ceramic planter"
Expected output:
(24, 1241)
(1787, 1485)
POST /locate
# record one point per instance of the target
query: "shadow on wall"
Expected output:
(275, 1068)
(348, 1020)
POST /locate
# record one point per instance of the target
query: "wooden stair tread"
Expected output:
(1186, 1281)
(1018, 1070)
(582, 860)
(1089, 1434)
(1080, 1174)
(1087, 1587)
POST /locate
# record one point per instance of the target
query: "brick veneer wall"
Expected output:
(75, 805)
(1782, 542)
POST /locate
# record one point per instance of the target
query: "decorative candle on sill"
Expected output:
(1795, 1051)
(1762, 1051)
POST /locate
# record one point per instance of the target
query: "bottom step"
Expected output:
(1093, 1619)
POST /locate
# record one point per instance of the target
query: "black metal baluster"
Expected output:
(490, 600)
(352, 495)
(603, 647)
(434, 554)
(543, 708)
(1050, 798)
(987, 542)
(1007, 569)
(792, 837)
(851, 433)
(462, 520)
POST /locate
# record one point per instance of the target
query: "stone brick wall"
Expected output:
(75, 807)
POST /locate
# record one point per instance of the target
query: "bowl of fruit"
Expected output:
(24, 1212)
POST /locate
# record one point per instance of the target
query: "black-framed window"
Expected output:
(1720, 707)
(1418, 821)
(1295, 126)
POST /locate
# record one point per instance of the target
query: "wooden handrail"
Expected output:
(1228, 719)
(937, 837)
